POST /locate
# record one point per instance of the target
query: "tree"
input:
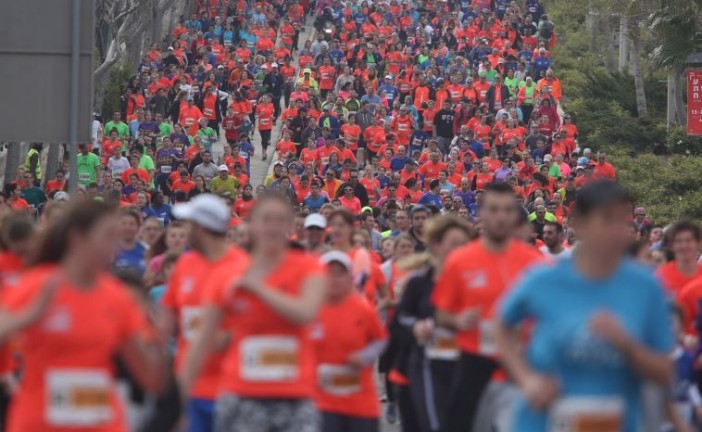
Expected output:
(122, 24)
(674, 25)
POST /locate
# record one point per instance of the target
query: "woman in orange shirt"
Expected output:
(350, 339)
(73, 318)
(268, 372)
(265, 112)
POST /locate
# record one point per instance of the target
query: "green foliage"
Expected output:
(679, 142)
(119, 76)
(667, 186)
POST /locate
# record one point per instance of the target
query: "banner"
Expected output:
(694, 102)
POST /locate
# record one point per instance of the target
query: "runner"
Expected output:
(74, 319)
(434, 350)
(183, 300)
(684, 239)
(474, 278)
(350, 339)
(607, 341)
(268, 371)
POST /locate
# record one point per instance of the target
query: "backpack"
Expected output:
(547, 30)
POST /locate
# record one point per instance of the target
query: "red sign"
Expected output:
(694, 102)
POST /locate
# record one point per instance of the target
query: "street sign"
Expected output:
(694, 101)
(36, 44)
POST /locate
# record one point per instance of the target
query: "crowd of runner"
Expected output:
(431, 247)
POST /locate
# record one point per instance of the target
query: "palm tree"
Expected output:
(674, 26)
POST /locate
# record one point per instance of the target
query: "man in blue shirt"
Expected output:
(433, 197)
(602, 326)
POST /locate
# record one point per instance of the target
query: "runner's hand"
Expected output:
(423, 330)
(605, 325)
(540, 390)
(355, 360)
(468, 319)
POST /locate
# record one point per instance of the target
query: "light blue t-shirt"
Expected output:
(561, 301)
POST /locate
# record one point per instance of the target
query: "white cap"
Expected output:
(207, 210)
(315, 220)
(548, 157)
(388, 76)
(61, 196)
(274, 64)
(587, 151)
(223, 168)
(338, 257)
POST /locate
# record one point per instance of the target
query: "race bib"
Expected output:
(264, 121)
(339, 380)
(442, 345)
(166, 169)
(78, 397)
(190, 322)
(487, 338)
(402, 127)
(270, 358)
(84, 177)
(208, 112)
(455, 94)
(587, 414)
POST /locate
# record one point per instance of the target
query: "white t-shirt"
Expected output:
(565, 253)
(117, 167)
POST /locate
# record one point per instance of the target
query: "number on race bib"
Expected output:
(442, 346)
(587, 414)
(270, 358)
(78, 398)
(339, 380)
(487, 338)
(191, 321)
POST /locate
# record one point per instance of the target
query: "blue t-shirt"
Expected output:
(163, 214)
(561, 302)
(315, 204)
(132, 259)
(431, 198)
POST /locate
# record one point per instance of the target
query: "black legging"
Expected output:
(430, 386)
(470, 379)
(332, 422)
(408, 416)
(265, 139)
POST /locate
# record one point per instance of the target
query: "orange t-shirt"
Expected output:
(344, 329)
(68, 382)
(688, 299)
(269, 357)
(673, 280)
(475, 277)
(184, 295)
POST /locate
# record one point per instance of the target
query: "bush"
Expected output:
(667, 186)
(678, 142)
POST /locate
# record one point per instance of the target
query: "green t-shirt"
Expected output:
(122, 129)
(554, 171)
(165, 129)
(87, 168)
(512, 85)
(148, 164)
(33, 195)
(228, 186)
(208, 135)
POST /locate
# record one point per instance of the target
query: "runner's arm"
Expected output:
(508, 343)
(199, 349)
(146, 362)
(298, 310)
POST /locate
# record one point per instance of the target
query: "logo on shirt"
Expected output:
(475, 279)
(58, 321)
